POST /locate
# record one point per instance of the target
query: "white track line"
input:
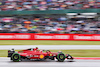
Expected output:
(60, 47)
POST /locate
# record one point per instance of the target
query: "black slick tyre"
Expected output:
(61, 57)
(16, 57)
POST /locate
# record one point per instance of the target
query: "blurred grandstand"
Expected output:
(80, 22)
(19, 5)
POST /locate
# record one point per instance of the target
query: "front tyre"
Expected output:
(16, 57)
(61, 57)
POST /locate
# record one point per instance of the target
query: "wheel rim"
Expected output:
(16, 57)
(61, 56)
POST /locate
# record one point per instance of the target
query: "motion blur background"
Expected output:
(50, 16)
(23, 21)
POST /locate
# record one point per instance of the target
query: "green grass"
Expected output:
(47, 42)
(3, 53)
(81, 53)
(74, 53)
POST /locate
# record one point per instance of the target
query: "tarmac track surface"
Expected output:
(46, 47)
(5, 62)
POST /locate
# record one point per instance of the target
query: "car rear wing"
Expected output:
(10, 52)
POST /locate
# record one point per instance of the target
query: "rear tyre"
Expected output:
(16, 57)
(61, 57)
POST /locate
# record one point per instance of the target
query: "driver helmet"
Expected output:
(59, 51)
(36, 48)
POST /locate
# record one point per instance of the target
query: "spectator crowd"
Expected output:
(46, 25)
(20, 5)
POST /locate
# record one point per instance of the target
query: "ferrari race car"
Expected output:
(35, 54)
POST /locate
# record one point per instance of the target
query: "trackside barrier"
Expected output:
(30, 36)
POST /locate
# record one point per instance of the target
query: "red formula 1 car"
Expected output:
(34, 53)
